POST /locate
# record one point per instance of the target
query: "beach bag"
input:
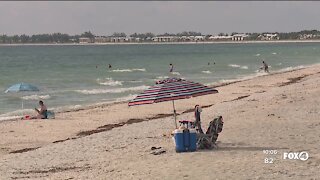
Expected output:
(50, 115)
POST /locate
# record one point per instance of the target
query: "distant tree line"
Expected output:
(296, 35)
(39, 38)
(66, 38)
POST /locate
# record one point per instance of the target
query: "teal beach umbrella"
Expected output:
(21, 87)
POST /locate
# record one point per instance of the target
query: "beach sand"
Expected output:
(274, 112)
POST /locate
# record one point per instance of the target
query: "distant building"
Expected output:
(84, 40)
(307, 36)
(239, 37)
(121, 39)
(136, 39)
(268, 37)
(73, 40)
(199, 38)
(185, 38)
(101, 39)
(220, 38)
(191, 38)
(165, 39)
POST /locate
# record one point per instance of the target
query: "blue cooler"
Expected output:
(185, 139)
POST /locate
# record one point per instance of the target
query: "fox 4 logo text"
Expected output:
(303, 156)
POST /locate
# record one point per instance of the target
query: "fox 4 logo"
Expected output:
(303, 156)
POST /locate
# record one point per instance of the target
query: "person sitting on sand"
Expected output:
(42, 112)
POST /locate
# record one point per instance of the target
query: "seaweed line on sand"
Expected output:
(51, 170)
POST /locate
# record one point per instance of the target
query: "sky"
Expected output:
(107, 17)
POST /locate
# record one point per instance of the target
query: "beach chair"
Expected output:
(208, 140)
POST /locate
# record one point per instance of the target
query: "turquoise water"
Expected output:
(67, 75)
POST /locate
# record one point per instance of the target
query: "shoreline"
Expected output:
(160, 43)
(273, 112)
(85, 107)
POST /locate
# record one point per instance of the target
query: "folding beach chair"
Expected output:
(208, 140)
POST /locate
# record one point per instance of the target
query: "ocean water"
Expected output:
(73, 76)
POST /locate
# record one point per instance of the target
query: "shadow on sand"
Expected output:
(239, 147)
(246, 148)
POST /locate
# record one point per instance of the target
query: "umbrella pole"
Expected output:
(22, 107)
(174, 114)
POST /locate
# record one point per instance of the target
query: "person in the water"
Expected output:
(265, 67)
(171, 67)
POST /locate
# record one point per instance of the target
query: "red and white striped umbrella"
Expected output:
(171, 89)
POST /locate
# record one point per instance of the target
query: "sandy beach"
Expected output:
(274, 112)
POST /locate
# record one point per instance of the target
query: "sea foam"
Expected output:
(238, 66)
(207, 72)
(135, 81)
(126, 98)
(234, 65)
(244, 67)
(109, 82)
(5, 118)
(162, 77)
(176, 73)
(117, 90)
(129, 70)
(36, 97)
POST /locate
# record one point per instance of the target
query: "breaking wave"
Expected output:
(237, 66)
(36, 97)
(9, 118)
(162, 77)
(291, 68)
(134, 81)
(117, 90)
(234, 65)
(109, 82)
(244, 67)
(207, 72)
(126, 98)
(129, 70)
(176, 73)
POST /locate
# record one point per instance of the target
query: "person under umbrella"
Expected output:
(42, 112)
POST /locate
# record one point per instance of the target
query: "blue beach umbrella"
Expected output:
(21, 87)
